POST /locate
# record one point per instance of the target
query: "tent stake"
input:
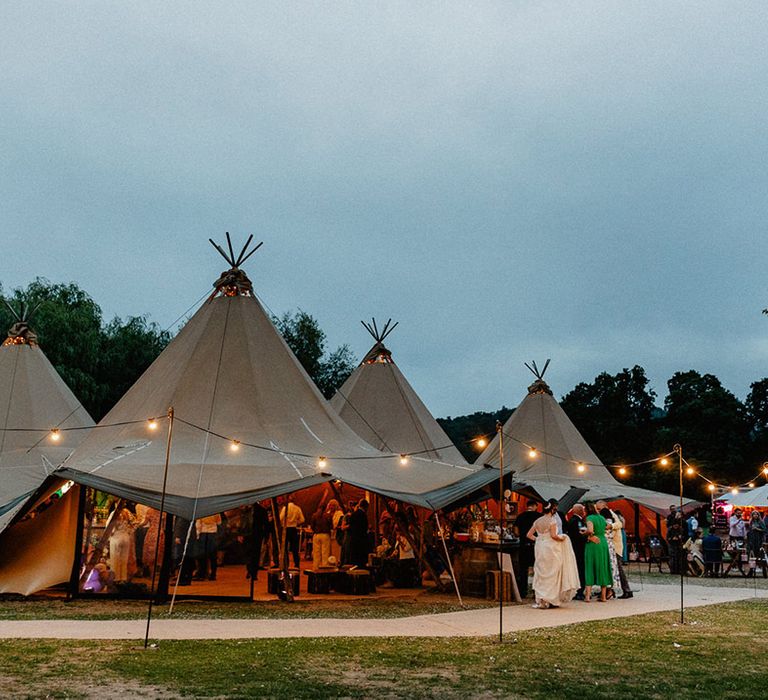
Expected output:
(160, 524)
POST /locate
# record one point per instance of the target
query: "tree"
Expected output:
(463, 430)
(709, 422)
(614, 414)
(98, 363)
(304, 336)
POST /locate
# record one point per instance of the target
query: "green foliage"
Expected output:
(464, 429)
(614, 414)
(98, 362)
(304, 336)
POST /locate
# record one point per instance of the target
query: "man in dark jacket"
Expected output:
(576, 529)
(524, 523)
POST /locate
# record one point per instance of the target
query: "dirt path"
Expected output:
(469, 623)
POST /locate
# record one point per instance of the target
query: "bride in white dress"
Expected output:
(555, 573)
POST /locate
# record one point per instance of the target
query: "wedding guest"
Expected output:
(577, 532)
(597, 564)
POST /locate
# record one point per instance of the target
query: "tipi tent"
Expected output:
(563, 460)
(379, 404)
(249, 423)
(33, 401)
(748, 498)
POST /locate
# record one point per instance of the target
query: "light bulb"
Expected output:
(152, 424)
(622, 470)
(322, 462)
(751, 485)
(581, 467)
(234, 445)
(403, 459)
(690, 471)
(482, 442)
(532, 453)
(55, 435)
(734, 491)
(663, 461)
(711, 487)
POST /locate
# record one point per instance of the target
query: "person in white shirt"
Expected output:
(208, 546)
(737, 529)
(292, 521)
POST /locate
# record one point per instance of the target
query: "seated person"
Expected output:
(712, 553)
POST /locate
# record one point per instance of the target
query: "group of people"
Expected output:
(572, 555)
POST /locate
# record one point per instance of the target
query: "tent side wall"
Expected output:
(38, 553)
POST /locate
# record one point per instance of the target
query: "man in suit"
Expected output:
(524, 523)
(576, 529)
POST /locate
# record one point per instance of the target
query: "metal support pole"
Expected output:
(683, 564)
(502, 523)
(160, 524)
(448, 559)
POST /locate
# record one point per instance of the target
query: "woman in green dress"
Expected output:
(597, 563)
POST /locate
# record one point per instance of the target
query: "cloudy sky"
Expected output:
(511, 181)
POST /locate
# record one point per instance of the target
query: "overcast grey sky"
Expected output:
(511, 181)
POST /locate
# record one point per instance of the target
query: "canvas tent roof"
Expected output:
(380, 405)
(748, 498)
(229, 373)
(540, 422)
(32, 395)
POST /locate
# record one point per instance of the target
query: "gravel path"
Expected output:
(469, 623)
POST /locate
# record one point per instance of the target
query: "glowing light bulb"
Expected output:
(55, 435)
(690, 471)
(765, 471)
(532, 453)
(663, 461)
(403, 459)
(580, 467)
(482, 442)
(711, 487)
(751, 485)
(622, 470)
(234, 446)
(734, 491)
(152, 424)
(322, 462)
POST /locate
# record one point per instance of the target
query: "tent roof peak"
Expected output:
(234, 282)
(379, 352)
(539, 386)
(21, 333)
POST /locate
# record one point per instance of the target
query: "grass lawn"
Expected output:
(719, 654)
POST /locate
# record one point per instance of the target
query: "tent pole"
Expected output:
(683, 562)
(448, 559)
(165, 568)
(74, 577)
(255, 556)
(160, 524)
(500, 431)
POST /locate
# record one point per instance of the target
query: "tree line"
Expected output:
(617, 414)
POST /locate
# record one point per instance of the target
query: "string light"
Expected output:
(481, 442)
(734, 491)
(765, 471)
(152, 424)
(532, 453)
(55, 435)
(664, 462)
(234, 445)
(580, 467)
(711, 487)
(690, 471)
(322, 462)
(751, 485)
(622, 470)
(403, 459)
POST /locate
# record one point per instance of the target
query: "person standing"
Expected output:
(207, 546)
(555, 572)
(597, 564)
(357, 534)
(292, 518)
(755, 539)
(616, 548)
(576, 530)
(523, 524)
(120, 542)
(321, 538)
(737, 529)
